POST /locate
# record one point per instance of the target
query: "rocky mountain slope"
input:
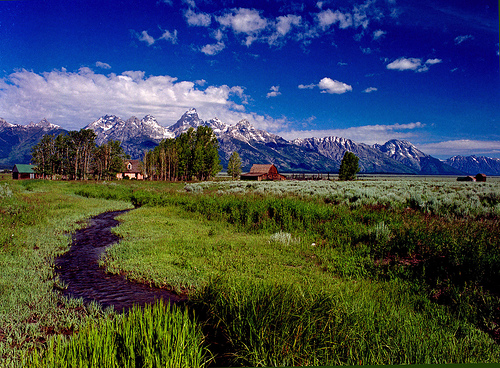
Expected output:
(411, 156)
(253, 146)
(473, 165)
(16, 140)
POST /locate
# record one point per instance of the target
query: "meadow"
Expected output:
(376, 271)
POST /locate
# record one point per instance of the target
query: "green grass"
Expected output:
(367, 272)
(336, 289)
(36, 220)
(156, 336)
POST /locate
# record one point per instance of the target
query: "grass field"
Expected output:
(293, 273)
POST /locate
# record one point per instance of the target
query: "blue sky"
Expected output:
(422, 70)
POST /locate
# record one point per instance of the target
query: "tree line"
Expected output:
(192, 155)
(76, 156)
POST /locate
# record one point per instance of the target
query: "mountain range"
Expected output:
(253, 145)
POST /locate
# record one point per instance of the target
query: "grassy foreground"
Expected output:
(276, 278)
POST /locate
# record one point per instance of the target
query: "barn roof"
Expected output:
(260, 169)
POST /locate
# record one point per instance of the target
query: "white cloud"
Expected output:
(460, 39)
(333, 86)
(327, 17)
(275, 91)
(414, 64)
(370, 90)
(75, 99)
(378, 34)
(213, 49)
(102, 65)
(284, 23)
(433, 61)
(405, 64)
(169, 36)
(307, 86)
(369, 134)
(197, 19)
(243, 20)
(145, 37)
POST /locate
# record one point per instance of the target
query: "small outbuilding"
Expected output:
(263, 172)
(466, 178)
(132, 170)
(23, 171)
(480, 177)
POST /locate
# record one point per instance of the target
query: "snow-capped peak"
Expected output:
(44, 124)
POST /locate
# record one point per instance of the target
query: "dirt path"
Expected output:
(79, 269)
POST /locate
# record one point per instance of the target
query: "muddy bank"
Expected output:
(79, 270)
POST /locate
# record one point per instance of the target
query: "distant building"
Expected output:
(22, 171)
(132, 170)
(263, 172)
(466, 178)
(480, 177)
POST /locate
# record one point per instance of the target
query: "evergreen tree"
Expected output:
(234, 165)
(349, 167)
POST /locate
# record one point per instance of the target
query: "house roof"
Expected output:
(260, 169)
(136, 166)
(24, 169)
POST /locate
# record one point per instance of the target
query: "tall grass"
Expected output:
(36, 220)
(276, 324)
(156, 336)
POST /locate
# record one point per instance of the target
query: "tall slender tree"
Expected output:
(234, 165)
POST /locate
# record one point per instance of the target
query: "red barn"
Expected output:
(263, 172)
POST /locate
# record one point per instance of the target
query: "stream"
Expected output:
(79, 269)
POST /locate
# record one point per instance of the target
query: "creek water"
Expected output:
(79, 269)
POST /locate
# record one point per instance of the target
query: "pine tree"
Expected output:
(234, 165)
(349, 167)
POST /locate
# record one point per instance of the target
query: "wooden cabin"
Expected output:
(132, 170)
(22, 171)
(263, 172)
(466, 178)
(480, 177)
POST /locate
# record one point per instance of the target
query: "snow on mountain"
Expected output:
(189, 119)
(411, 156)
(43, 124)
(245, 132)
(402, 151)
(4, 124)
(370, 159)
(16, 140)
(111, 127)
(473, 165)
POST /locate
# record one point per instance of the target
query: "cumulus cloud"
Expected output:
(378, 34)
(460, 39)
(242, 20)
(369, 134)
(414, 64)
(275, 91)
(198, 19)
(145, 37)
(284, 23)
(213, 49)
(370, 90)
(102, 65)
(328, 85)
(169, 36)
(327, 17)
(75, 99)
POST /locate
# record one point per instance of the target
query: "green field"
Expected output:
(376, 271)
